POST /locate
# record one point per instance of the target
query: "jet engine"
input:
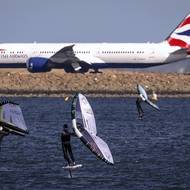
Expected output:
(38, 64)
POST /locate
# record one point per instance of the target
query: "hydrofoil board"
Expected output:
(72, 167)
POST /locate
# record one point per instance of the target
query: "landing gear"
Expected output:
(95, 70)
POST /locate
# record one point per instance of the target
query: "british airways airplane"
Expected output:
(80, 57)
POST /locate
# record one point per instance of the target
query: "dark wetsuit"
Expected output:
(139, 108)
(3, 133)
(66, 146)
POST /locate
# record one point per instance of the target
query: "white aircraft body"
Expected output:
(80, 57)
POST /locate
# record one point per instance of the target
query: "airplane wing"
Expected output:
(67, 55)
(89, 59)
(64, 55)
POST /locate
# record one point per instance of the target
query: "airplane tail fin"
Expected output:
(181, 35)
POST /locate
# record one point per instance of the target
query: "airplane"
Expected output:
(80, 57)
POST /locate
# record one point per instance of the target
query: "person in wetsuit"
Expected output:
(3, 133)
(139, 108)
(66, 146)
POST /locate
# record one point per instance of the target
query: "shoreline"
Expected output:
(89, 94)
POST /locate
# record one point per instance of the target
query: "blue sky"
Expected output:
(90, 20)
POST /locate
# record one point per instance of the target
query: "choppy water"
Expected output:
(153, 154)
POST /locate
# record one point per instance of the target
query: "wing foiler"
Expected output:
(144, 97)
(12, 119)
(84, 125)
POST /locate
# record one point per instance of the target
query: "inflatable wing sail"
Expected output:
(152, 104)
(11, 117)
(84, 125)
(142, 92)
(144, 97)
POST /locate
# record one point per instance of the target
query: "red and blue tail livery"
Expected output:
(181, 35)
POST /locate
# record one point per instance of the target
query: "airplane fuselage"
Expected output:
(108, 52)
(100, 55)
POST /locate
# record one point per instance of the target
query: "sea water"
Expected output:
(149, 154)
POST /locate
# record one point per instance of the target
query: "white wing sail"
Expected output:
(87, 115)
(84, 126)
(12, 118)
(144, 97)
(142, 92)
(104, 148)
(152, 104)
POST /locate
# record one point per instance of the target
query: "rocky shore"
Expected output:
(19, 82)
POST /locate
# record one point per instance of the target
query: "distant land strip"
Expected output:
(19, 82)
(101, 93)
